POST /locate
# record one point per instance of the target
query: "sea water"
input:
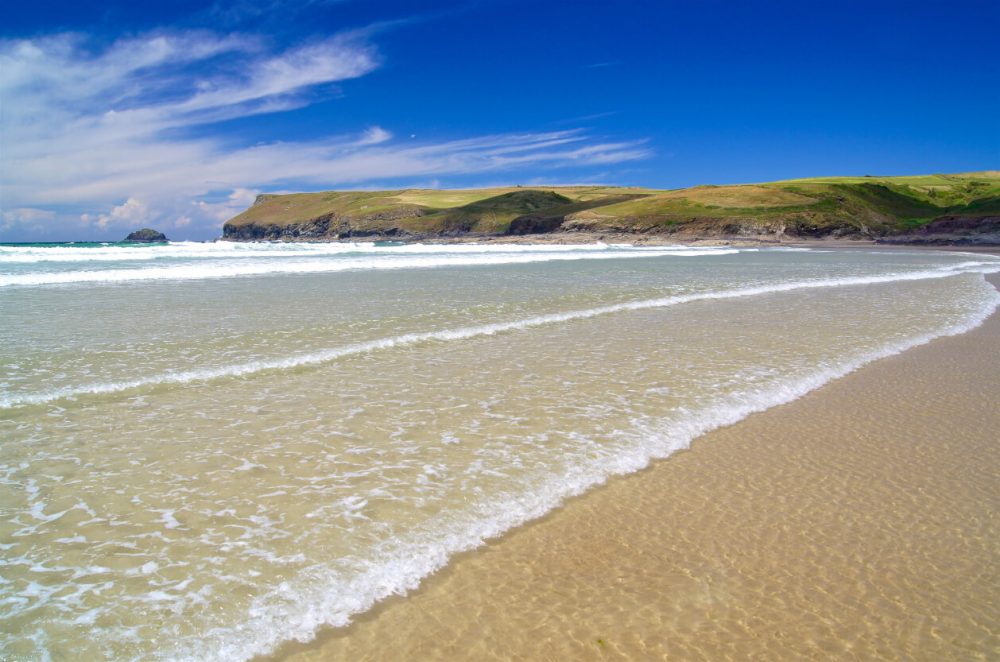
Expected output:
(207, 450)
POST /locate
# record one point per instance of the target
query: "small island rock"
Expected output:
(146, 234)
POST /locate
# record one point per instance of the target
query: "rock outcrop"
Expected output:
(326, 227)
(953, 230)
(146, 235)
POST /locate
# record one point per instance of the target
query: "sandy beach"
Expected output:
(858, 522)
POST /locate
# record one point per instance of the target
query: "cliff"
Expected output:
(961, 208)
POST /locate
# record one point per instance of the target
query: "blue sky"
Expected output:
(118, 115)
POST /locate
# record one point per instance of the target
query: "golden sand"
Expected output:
(859, 522)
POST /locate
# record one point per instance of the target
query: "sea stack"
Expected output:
(147, 235)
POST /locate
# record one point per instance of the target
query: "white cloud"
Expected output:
(277, 77)
(27, 218)
(28, 215)
(128, 214)
(374, 135)
(108, 136)
(238, 200)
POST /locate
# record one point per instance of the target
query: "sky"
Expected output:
(175, 115)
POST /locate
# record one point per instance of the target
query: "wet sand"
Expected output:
(859, 522)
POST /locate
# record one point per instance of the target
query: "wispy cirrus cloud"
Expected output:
(122, 135)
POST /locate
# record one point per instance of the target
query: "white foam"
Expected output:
(223, 249)
(296, 609)
(357, 258)
(464, 333)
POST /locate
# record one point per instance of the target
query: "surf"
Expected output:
(463, 333)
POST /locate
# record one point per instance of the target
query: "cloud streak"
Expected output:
(117, 136)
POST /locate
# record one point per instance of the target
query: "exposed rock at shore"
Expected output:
(973, 231)
(325, 227)
(534, 224)
(146, 235)
(953, 231)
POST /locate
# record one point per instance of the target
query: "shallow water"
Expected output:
(211, 449)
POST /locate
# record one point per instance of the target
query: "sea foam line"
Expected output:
(326, 598)
(308, 263)
(236, 250)
(464, 333)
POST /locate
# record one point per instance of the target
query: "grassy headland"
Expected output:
(963, 208)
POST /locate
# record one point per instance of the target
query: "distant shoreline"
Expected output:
(574, 238)
(569, 238)
(935, 210)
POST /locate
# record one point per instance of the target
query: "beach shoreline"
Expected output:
(855, 521)
(634, 239)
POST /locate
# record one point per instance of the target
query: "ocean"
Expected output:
(208, 450)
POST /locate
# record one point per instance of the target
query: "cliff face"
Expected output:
(953, 231)
(325, 227)
(927, 209)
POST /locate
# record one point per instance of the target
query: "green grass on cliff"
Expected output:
(817, 206)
